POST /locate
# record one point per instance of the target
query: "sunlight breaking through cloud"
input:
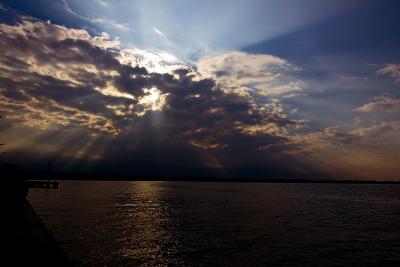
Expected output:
(152, 100)
(229, 110)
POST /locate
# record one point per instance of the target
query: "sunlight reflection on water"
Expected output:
(176, 223)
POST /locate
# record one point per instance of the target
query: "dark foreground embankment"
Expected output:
(30, 243)
(37, 246)
(26, 240)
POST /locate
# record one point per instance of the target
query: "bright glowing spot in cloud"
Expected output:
(153, 100)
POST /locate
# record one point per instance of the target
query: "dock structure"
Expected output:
(42, 184)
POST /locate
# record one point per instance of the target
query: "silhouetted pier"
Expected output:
(42, 184)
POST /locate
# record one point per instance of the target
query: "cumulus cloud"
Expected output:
(373, 133)
(140, 106)
(69, 78)
(382, 103)
(249, 74)
(361, 153)
(391, 70)
(331, 137)
(47, 114)
(56, 72)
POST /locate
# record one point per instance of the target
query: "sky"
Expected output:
(249, 89)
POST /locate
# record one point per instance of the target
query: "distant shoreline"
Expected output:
(198, 179)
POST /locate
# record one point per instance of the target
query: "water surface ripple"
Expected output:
(223, 224)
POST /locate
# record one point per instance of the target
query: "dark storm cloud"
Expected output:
(71, 96)
(70, 78)
(74, 95)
